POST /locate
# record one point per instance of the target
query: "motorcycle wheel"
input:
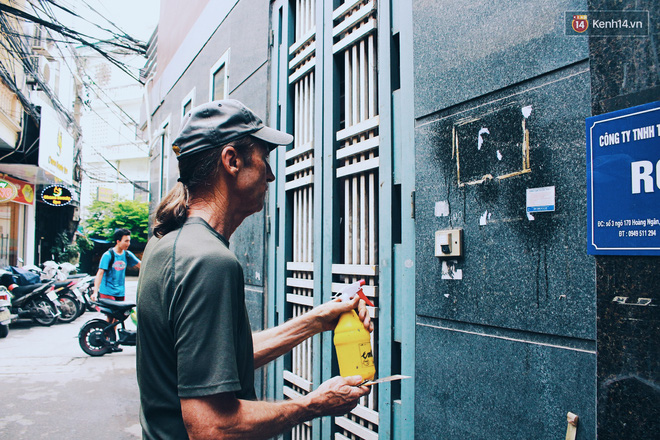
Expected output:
(69, 308)
(46, 313)
(93, 340)
(4, 331)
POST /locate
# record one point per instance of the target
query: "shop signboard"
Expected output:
(56, 195)
(23, 191)
(623, 182)
(7, 191)
(55, 146)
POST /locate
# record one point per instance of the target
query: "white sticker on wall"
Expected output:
(441, 209)
(541, 199)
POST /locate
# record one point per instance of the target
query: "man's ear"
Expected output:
(231, 161)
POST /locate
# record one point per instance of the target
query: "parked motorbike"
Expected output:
(5, 311)
(69, 304)
(38, 302)
(83, 290)
(97, 337)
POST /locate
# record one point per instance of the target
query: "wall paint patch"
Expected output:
(527, 111)
(442, 209)
(483, 220)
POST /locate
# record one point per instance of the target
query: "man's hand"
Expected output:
(337, 396)
(328, 314)
(94, 296)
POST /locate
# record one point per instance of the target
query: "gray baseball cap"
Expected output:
(217, 123)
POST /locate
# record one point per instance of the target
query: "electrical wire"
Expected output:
(22, 53)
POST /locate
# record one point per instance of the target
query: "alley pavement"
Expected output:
(50, 389)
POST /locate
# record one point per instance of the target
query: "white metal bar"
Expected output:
(304, 39)
(367, 414)
(299, 150)
(303, 283)
(356, 428)
(358, 167)
(359, 147)
(353, 19)
(354, 220)
(302, 300)
(302, 70)
(347, 90)
(345, 9)
(303, 55)
(307, 180)
(291, 393)
(363, 223)
(364, 90)
(310, 228)
(369, 291)
(373, 246)
(299, 166)
(357, 129)
(300, 266)
(354, 36)
(354, 86)
(355, 269)
(371, 77)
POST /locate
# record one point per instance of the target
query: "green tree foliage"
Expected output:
(64, 250)
(105, 217)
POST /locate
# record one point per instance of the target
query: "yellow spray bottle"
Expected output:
(352, 340)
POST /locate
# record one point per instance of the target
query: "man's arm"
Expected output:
(222, 416)
(97, 284)
(274, 342)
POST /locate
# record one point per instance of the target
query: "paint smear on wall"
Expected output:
(449, 271)
(481, 139)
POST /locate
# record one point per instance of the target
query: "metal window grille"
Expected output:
(354, 46)
(299, 188)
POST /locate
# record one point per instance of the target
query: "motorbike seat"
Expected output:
(62, 284)
(120, 306)
(21, 291)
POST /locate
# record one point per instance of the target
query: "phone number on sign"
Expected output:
(638, 233)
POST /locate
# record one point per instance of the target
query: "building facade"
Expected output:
(115, 162)
(423, 133)
(40, 132)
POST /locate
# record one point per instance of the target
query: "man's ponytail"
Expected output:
(172, 211)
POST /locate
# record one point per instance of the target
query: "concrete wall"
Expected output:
(505, 338)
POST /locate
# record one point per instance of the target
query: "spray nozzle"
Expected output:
(349, 292)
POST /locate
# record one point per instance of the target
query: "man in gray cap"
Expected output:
(196, 354)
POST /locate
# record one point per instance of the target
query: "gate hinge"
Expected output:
(412, 204)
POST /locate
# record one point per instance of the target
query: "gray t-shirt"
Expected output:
(194, 336)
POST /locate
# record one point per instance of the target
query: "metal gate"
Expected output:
(331, 209)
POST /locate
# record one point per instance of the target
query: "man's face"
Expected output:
(125, 242)
(253, 179)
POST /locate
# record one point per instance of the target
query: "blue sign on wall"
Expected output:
(623, 182)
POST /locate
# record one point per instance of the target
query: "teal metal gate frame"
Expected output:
(394, 271)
